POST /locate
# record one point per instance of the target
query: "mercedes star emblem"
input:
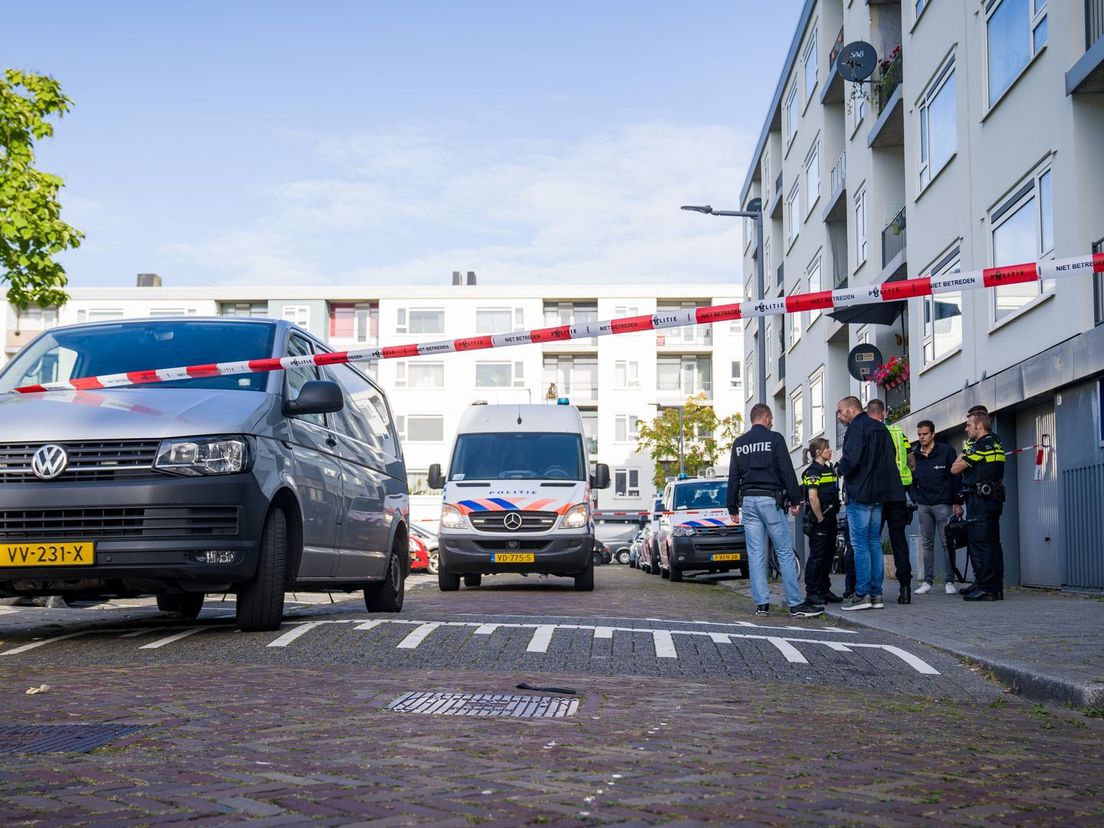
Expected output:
(49, 461)
(512, 521)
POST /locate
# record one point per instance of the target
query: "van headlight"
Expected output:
(682, 531)
(451, 518)
(199, 456)
(576, 517)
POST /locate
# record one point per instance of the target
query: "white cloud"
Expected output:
(415, 205)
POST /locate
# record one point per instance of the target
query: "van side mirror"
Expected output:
(316, 397)
(601, 477)
(436, 480)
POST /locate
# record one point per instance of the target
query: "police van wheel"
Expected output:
(675, 574)
(447, 581)
(473, 579)
(584, 581)
(186, 606)
(260, 604)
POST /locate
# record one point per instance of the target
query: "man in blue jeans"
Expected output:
(761, 480)
(869, 467)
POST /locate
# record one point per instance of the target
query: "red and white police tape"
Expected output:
(794, 303)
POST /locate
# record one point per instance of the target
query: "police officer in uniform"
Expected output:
(761, 484)
(821, 511)
(982, 468)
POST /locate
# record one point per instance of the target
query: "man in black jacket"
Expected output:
(761, 482)
(935, 492)
(869, 467)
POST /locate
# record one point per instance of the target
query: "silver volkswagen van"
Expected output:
(253, 484)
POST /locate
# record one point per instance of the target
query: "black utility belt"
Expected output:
(992, 490)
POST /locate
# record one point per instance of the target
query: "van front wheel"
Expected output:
(447, 581)
(260, 604)
(584, 581)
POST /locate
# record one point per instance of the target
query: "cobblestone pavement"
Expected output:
(234, 733)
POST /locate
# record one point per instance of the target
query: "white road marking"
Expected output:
(664, 644)
(839, 648)
(415, 638)
(162, 642)
(603, 632)
(720, 638)
(542, 637)
(370, 625)
(486, 629)
(792, 654)
(298, 632)
(35, 644)
(918, 664)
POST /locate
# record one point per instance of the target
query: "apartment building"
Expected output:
(975, 143)
(616, 381)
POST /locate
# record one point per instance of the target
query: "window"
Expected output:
(810, 64)
(938, 124)
(493, 320)
(860, 227)
(421, 428)
(367, 416)
(358, 322)
(791, 114)
(625, 428)
(296, 378)
(499, 374)
(243, 309)
(793, 322)
(99, 314)
(35, 318)
(165, 312)
(1015, 31)
(626, 483)
(770, 347)
(688, 375)
(793, 213)
(943, 314)
(573, 377)
(816, 403)
(814, 286)
(737, 374)
(298, 315)
(626, 373)
(797, 415)
(419, 374)
(621, 311)
(812, 177)
(919, 4)
(749, 387)
(766, 171)
(420, 321)
(1022, 229)
(858, 105)
(766, 261)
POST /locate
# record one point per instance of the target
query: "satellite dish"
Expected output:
(856, 61)
(755, 205)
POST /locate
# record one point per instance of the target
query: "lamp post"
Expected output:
(755, 213)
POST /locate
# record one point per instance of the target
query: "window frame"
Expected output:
(1028, 189)
(516, 369)
(810, 53)
(499, 309)
(1037, 14)
(403, 318)
(949, 262)
(794, 323)
(815, 266)
(816, 379)
(627, 473)
(926, 174)
(812, 161)
(402, 374)
(402, 422)
(859, 206)
(629, 383)
(789, 112)
(796, 436)
(736, 374)
(793, 220)
(630, 423)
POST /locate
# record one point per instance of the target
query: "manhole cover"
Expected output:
(60, 738)
(485, 704)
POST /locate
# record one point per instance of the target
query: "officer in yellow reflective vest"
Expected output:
(822, 503)
(982, 468)
(896, 514)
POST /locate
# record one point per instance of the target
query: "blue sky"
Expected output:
(378, 143)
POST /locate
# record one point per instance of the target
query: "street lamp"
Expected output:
(756, 214)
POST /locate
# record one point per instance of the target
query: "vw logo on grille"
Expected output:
(49, 461)
(512, 521)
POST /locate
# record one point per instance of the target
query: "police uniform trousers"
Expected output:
(822, 551)
(983, 543)
(895, 514)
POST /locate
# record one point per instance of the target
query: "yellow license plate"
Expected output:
(514, 557)
(726, 556)
(72, 553)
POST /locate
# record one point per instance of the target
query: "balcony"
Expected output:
(893, 245)
(677, 339)
(889, 130)
(1087, 75)
(670, 390)
(833, 86)
(836, 209)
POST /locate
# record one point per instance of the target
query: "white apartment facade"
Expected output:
(617, 382)
(975, 144)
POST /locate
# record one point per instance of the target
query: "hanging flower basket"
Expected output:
(892, 374)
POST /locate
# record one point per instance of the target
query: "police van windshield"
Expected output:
(711, 495)
(95, 350)
(513, 456)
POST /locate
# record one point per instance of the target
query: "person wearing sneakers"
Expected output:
(869, 468)
(761, 482)
(896, 514)
(982, 470)
(934, 490)
(822, 503)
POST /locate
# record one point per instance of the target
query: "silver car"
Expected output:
(252, 483)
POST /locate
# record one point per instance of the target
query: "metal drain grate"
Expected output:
(61, 738)
(485, 705)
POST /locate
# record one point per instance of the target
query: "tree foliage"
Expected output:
(31, 229)
(705, 438)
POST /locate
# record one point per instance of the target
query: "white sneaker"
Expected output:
(923, 589)
(951, 589)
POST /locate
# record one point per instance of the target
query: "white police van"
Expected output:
(517, 496)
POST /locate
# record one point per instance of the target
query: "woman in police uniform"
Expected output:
(823, 501)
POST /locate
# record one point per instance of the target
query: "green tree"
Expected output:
(31, 229)
(705, 438)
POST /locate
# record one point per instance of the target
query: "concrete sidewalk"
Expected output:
(1047, 646)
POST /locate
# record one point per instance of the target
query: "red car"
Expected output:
(419, 556)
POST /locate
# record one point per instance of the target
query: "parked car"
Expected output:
(419, 555)
(696, 531)
(431, 544)
(248, 483)
(602, 553)
(650, 548)
(635, 547)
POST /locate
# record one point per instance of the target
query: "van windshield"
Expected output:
(72, 353)
(513, 456)
(711, 495)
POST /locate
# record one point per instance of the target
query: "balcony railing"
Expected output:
(893, 238)
(685, 389)
(577, 392)
(1094, 22)
(836, 47)
(888, 82)
(699, 336)
(838, 176)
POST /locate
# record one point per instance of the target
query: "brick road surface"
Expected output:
(231, 736)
